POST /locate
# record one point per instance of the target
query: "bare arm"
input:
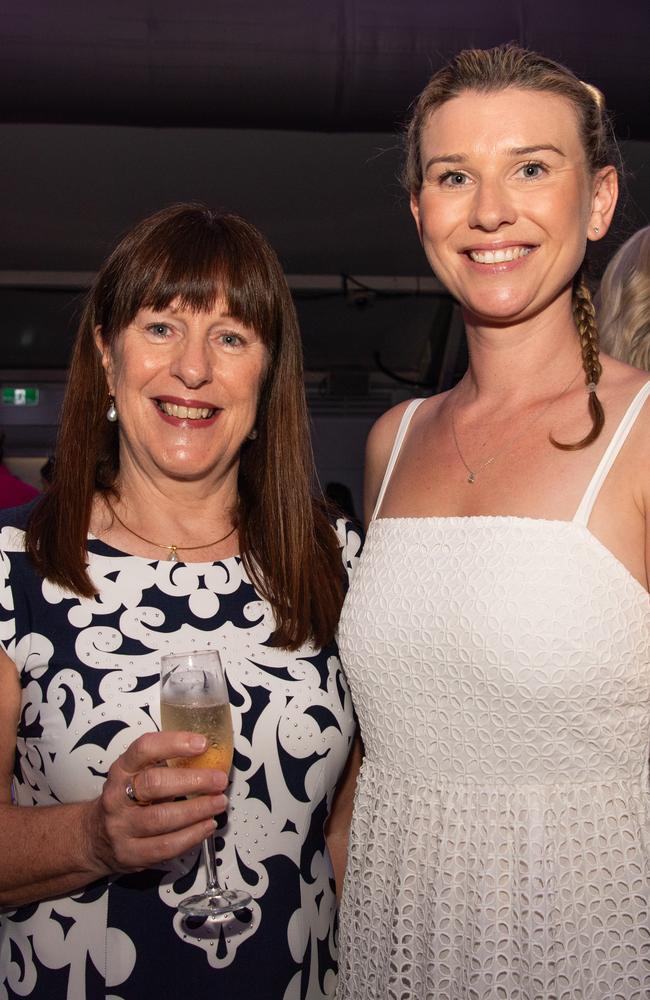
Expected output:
(378, 449)
(338, 824)
(49, 850)
(646, 513)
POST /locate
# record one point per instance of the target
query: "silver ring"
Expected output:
(129, 791)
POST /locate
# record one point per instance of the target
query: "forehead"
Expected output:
(496, 121)
(216, 308)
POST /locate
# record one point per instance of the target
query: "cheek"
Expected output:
(241, 393)
(568, 212)
(434, 220)
(132, 371)
(438, 225)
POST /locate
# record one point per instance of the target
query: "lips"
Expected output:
(501, 255)
(184, 412)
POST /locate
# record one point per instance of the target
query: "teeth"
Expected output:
(186, 412)
(498, 256)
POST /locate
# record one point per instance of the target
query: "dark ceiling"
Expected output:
(333, 65)
(286, 111)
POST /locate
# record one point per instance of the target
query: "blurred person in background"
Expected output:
(180, 517)
(623, 302)
(341, 503)
(13, 491)
(47, 472)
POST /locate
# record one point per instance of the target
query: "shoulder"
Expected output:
(13, 524)
(349, 535)
(378, 450)
(384, 430)
(382, 438)
(621, 386)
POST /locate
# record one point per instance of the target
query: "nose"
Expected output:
(192, 362)
(492, 206)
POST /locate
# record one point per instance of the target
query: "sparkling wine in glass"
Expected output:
(194, 697)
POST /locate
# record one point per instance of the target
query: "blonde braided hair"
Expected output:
(584, 316)
(493, 70)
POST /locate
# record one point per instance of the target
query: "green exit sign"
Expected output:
(19, 397)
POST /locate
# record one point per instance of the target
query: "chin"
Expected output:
(498, 312)
(184, 468)
(185, 475)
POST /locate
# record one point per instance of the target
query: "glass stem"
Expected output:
(210, 859)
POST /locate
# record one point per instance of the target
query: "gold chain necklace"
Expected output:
(473, 473)
(172, 549)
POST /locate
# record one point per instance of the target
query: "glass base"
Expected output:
(212, 904)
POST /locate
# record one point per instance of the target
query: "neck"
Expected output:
(175, 511)
(519, 360)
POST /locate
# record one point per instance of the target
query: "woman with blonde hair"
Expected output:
(623, 302)
(496, 635)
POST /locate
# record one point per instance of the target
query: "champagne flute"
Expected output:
(194, 697)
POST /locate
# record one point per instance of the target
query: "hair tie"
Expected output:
(591, 386)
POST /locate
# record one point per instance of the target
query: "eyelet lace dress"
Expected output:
(500, 848)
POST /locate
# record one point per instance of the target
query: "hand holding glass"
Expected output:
(194, 697)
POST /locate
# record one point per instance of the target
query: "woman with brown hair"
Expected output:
(496, 636)
(180, 517)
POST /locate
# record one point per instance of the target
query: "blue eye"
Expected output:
(532, 171)
(453, 178)
(160, 330)
(231, 339)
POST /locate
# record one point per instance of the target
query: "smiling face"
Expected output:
(507, 202)
(186, 387)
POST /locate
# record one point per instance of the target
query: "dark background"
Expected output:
(287, 112)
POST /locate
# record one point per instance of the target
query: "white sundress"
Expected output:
(500, 847)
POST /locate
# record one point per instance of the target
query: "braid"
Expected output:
(584, 316)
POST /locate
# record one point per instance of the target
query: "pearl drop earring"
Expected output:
(111, 413)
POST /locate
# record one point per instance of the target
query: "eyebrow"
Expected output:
(447, 158)
(527, 150)
(458, 158)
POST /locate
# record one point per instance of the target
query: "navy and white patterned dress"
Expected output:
(89, 671)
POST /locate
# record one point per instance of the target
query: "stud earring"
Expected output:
(596, 229)
(253, 434)
(111, 413)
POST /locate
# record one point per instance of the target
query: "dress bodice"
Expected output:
(498, 649)
(500, 844)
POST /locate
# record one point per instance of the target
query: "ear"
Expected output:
(106, 356)
(604, 198)
(414, 203)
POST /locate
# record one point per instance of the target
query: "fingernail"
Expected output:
(198, 742)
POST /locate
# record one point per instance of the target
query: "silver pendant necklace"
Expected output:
(473, 473)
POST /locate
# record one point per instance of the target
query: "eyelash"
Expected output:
(535, 163)
(161, 332)
(235, 336)
(444, 177)
(156, 327)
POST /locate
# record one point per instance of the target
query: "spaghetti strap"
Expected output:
(590, 496)
(397, 444)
